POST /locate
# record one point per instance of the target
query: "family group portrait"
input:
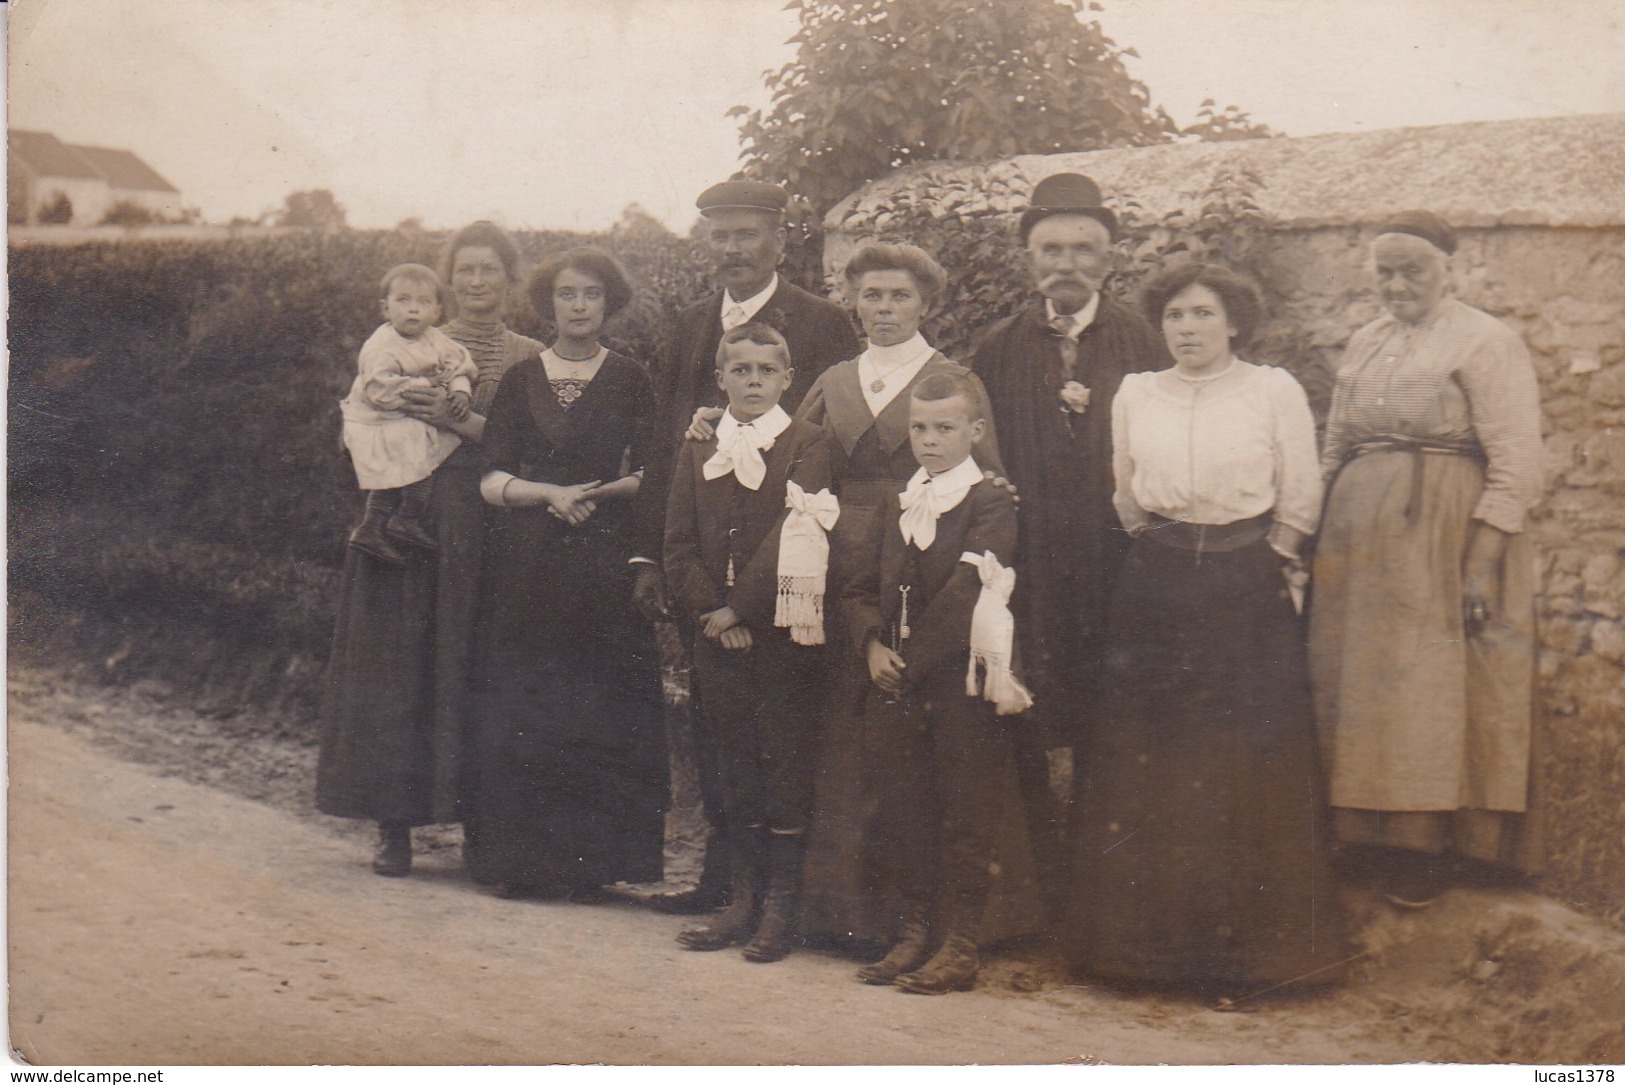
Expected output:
(929, 533)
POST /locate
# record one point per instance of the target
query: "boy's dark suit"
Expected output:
(954, 780)
(758, 704)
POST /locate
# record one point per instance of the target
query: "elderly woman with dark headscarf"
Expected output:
(1422, 632)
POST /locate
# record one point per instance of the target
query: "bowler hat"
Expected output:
(1066, 194)
(751, 195)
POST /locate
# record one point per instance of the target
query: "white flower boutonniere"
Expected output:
(1074, 397)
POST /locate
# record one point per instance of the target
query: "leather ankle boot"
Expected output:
(776, 935)
(392, 858)
(912, 949)
(735, 923)
(404, 530)
(953, 968)
(369, 538)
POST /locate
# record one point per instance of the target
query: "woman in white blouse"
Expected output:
(1201, 856)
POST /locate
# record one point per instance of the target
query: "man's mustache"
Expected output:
(1056, 278)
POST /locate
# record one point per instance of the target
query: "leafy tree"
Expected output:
(1214, 125)
(635, 219)
(315, 208)
(128, 213)
(878, 84)
(57, 212)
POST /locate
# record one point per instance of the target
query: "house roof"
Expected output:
(48, 156)
(123, 169)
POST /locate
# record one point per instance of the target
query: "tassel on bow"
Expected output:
(804, 563)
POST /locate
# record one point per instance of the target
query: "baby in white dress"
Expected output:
(394, 454)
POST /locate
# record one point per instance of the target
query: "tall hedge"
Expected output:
(175, 460)
(195, 384)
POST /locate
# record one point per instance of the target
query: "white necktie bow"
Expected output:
(919, 520)
(732, 317)
(740, 450)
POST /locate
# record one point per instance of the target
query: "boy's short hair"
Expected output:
(754, 331)
(947, 385)
(416, 272)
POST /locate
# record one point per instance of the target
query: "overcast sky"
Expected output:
(562, 112)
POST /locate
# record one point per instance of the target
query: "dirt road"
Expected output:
(158, 921)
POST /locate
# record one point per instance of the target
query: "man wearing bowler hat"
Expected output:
(746, 236)
(1051, 372)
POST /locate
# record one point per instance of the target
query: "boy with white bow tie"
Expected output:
(746, 556)
(930, 616)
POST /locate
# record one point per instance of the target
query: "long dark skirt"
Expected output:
(573, 778)
(396, 729)
(1201, 825)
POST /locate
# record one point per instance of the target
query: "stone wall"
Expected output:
(1541, 210)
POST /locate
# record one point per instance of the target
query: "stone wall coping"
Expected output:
(1556, 172)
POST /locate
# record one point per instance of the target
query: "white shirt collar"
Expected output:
(753, 304)
(768, 427)
(1080, 319)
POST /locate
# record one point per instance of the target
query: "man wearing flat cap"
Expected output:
(746, 236)
(1051, 372)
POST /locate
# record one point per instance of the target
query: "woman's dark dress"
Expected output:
(396, 732)
(573, 782)
(1202, 837)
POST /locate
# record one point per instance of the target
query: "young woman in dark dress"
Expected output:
(573, 783)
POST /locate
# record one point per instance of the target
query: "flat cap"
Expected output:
(752, 195)
(1425, 225)
(1066, 194)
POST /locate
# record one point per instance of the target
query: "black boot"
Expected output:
(953, 968)
(410, 524)
(912, 949)
(712, 892)
(368, 537)
(393, 856)
(737, 922)
(776, 935)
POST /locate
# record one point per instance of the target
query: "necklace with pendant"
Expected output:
(878, 385)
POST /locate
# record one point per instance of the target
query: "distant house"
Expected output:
(41, 169)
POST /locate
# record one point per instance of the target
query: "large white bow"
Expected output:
(993, 637)
(804, 562)
(739, 449)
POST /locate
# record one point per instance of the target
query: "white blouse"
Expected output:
(1216, 452)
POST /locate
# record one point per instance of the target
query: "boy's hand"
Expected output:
(458, 403)
(704, 425)
(736, 639)
(719, 621)
(885, 667)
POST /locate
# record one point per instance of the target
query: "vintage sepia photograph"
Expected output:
(920, 533)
